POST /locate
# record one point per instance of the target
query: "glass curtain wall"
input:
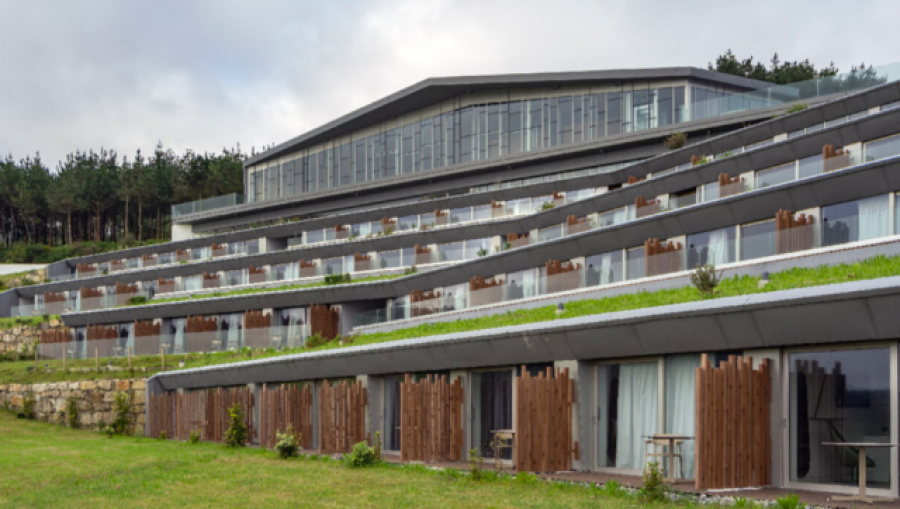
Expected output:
(472, 133)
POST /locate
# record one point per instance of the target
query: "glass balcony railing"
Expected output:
(216, 202)
(292, 336)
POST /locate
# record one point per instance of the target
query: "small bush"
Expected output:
(122, 407)
(797, 108)
(791, 501)
(377, 447)
(72, 413)
(654, 489)
(361, 456)
(137, 300)
(547, 206)
(287, 444)
(195, 437)
(482, 252)
(613, 489)
(28, 403)
(675, 141)
(476, 465)
(317, 340)
(526, 479)
(338, 279)
(705, 279)
(410, 270)
(236, 435)
(109, 431)
(163, 435)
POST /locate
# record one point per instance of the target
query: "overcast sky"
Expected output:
(203, 75)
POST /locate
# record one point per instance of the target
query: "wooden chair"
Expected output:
(504, 439)
(659, 446)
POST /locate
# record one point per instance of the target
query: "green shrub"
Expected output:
(195, 437)
(361, 456)
(137, 300)
(163, 435)
(338, 279)
(613, 489)
(28, 403)
(526, 479)
(791, 501)
(377, 446)
(317, 340)
(109, 431)
(675, 141)
(287, 444)
(482, 252)
(236, 435)
(410, 270)
(122, 407)
(476, 465)
(705, 279)
(796, 108)
(655, 488)
(72, 413)
(547, 205)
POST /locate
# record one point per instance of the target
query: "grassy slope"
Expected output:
(44, 465)
(15, 372)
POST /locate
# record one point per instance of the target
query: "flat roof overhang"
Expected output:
(838, 313)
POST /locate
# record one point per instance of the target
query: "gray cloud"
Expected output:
(209, 74)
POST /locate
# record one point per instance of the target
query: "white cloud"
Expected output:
(212, 73)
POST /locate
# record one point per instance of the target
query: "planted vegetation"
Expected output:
(877, 267)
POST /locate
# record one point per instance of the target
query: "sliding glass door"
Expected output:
(628, 409)
(840, 395)
(492, 409)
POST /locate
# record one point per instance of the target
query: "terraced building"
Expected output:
(464, 197)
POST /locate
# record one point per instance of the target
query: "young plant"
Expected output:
(476, 465)
(377, 446)
(791, 501)
(675, 141)
(655, 488)
(195, 437)
(613, 489)
(72, 413)
(361, 456)
(547, 206)
(705, 279)
(122, 407)
(482, 252)
(236, 435)
(287, 443)
(163, 435)
(28, 403)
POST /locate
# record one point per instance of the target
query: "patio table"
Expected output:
(862, 446)
(672, 438)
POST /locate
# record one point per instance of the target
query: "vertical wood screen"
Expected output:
(431, 419)
(203, 410)
(734, 445)
(544, 421)
(342, 416)
(283, 406)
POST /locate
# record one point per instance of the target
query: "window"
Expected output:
(492, 393)
(566, 123)
(282, 272)
(452, 252)
(777, 175)
(192, 283)
(389, 259)
(758, 240)
(460, 215)
(855, 221)
(604, 269)
(612, 217)
(333, 265)
(634, 263)
(359, 160)
(521, 284)
(628, 410)
(477, 248)
(883, 148)
(287, 179)
(234, 277)
(711, 248)
(839, 396)
(550, 233)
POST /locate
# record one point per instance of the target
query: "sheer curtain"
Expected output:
(178, 325)
(680, 376)
(529, 283)
(873, 217)
(718, 247)
(605, 264)
(638, 412)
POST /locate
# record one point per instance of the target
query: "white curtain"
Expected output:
(192, 283)
(873, 217)
(718, 247)
(234, 329)
(605, 265)
(529, 283)
(638, 412)
(680, 376)
(178, 325)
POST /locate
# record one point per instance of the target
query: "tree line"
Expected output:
(100, 196)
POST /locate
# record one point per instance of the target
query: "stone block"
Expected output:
(123, 385)
(139, 384)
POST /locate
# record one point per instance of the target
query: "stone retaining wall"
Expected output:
(22, 338)
(94, 400)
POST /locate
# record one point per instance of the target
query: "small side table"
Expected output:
(862, 446)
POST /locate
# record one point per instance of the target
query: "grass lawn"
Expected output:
(876, 267)
(44, 465)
